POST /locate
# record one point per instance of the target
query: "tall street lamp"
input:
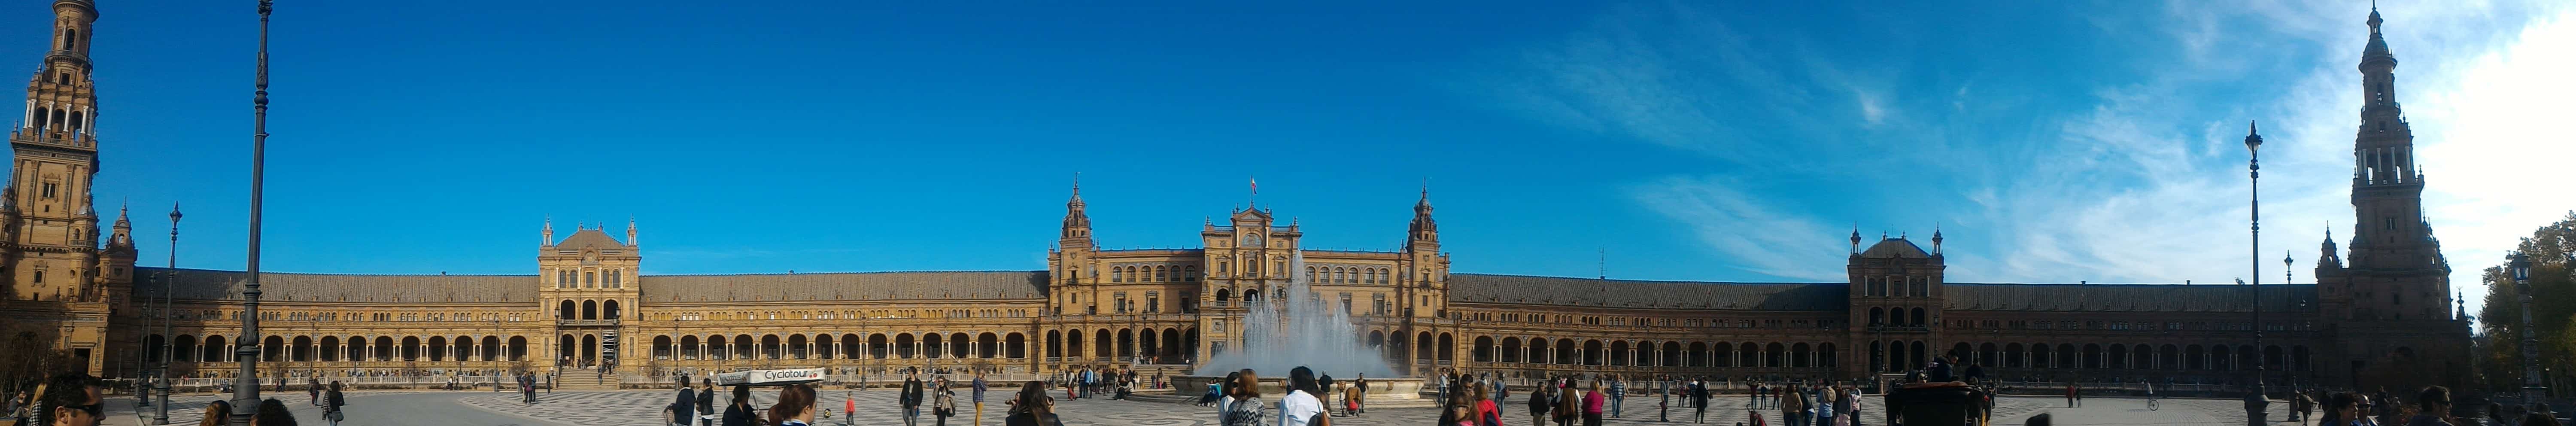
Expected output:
(2255, 403)
(246, 386)
(161, 413)
(2531, 388)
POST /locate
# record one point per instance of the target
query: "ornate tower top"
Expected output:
(1077, 223)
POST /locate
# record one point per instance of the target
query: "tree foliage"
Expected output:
(2552, 250)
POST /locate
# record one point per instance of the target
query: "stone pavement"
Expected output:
(877, 407)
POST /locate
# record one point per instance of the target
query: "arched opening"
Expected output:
(303, 349)
(1672, 354)
(410, 348)
(795, 346)
(770, 348)
(744, 348)
(1619, 353)
(1101, 343)
(1538, 351)
(2066, 356)
(1798, 356)
(213, 348)
(1422, 346)
(1825, 356)
(518, 348)
(2194, 358)
(1775, 355)
(1484, 348)
(1014, 346)
(1699, 356)
(2040, 357)
(689, 348)
(590, 309)
(1054, 344)
(2118, 357)
(1918, 319)
(1565, 354)
(1511, 349)
(1448, 343)
(1986, 355)
(568, 310)
(2142, 357)
(878, 348)
(1126, 343)
(384, 347)
(903, 346)
(589, 349)
(608, 310)
(184, 349)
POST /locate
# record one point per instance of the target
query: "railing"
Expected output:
(585, 322)
(1899, 329)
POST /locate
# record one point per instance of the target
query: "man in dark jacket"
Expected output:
(686, 406)
(911, 400)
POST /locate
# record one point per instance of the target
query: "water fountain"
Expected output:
(1292, 327)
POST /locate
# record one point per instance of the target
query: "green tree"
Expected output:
(2552, 250)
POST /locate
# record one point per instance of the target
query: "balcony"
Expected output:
(1899, 329)
(586, 323)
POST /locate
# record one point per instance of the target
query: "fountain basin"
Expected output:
(1391, 389)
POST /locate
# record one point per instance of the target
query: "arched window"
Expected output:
(71, 40)
(1918, 318)
(1877, 316)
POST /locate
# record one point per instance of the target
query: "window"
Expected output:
(49, 189)
(1153, 301)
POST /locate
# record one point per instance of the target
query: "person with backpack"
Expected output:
(1033, 407)
(685, 407)
(739, 411)
(944, 404)
(911, 399)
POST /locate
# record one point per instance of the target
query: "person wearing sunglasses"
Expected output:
(71, 399)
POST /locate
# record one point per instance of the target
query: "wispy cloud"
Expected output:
(1756, 237)
(2148, 184)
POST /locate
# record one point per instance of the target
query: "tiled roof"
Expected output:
(589, 238)
(941, 285)
(204, 284)
(1894, 247)
(2127, 297)
(1521, 289)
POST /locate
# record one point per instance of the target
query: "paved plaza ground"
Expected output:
(877, 407)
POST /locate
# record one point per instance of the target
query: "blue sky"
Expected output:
(2050, 141)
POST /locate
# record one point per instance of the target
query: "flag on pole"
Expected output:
(1256, 186)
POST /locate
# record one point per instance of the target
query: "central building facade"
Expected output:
(2376, 317)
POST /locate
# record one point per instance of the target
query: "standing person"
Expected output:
(1825, 396)
(331, 403)
(2070, 394)
(1792, 407)
(1847, 407)
(911, 399)
(1664, 403)
(1699, 401)
(1032, 407)
(1502, 392)
(706, 402)
(313, 391)
(1569, 402)
(2433, 408)
(1324, 388)
(72, 399)
(1242, 405)
(1618, 394)
(1300, 406)
(739, 412)
(1540, 401)
(979, 400)
(795, 406)
(1360, 402)
(1593, 402)
(943, 404)
(685, 407)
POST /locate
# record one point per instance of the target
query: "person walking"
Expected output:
(331, 403)
(684, 409)
(943, 404)
(738, 412)
(313, 391)
(1793, 407)
(979, 400)
(911, 398)
(2070, 394)
(1593, 401)
(1325, 389)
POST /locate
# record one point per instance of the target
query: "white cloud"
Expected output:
(1756, 237)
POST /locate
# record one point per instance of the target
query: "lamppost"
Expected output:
(161, 413)
(2288, 378)
(246, 386)
(2531, 388)
(2255, 402)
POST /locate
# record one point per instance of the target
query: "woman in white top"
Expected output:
(1300, 407)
